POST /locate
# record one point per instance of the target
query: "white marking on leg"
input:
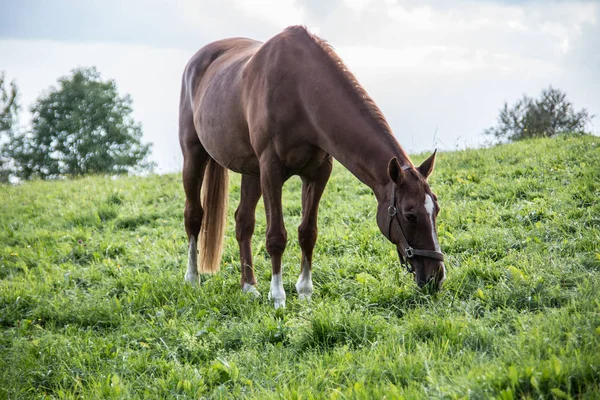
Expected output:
(248, 288)
(277, 293)
(304, 285)
(191, 275)
(429, 206)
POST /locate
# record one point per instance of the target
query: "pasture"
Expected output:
(93, 304)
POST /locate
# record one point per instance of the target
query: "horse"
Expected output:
(286, 107)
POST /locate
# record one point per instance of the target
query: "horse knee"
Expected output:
(244, 226)
(307, 237)
(276, 242)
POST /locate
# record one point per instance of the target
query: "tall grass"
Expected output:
(93, 305)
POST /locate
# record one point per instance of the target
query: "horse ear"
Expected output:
(427, 167)
(395, 173)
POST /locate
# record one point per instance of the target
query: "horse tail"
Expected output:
(214, 203)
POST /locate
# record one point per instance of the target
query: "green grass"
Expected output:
(93, 305)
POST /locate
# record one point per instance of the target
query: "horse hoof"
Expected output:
(279, 303)
(191, 280)
(305, 297)
(250, 289)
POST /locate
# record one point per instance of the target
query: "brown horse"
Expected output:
(281, 108)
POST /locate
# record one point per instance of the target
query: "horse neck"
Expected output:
(355, 140)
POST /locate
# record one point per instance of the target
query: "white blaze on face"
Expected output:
(429, 206)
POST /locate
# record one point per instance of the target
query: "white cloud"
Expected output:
(281, 13)
(416, 19)
(441, 60)
(428, 64)
(357, 6)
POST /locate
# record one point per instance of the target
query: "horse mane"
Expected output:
(355, 87)
(372, 111)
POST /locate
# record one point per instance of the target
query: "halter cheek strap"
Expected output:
(405, 251)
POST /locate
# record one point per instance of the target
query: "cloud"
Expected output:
(184, 23)
(281, 13)
(430, 65)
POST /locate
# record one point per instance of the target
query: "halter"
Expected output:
(405, 251)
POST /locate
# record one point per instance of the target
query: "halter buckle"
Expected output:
(409, 252)
(392, 211)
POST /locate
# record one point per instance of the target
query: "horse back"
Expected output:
(211, 102)
(227, 50)
(245, 97)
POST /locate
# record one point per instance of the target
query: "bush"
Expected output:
(550, 115)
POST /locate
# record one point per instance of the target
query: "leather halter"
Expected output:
(405, 251)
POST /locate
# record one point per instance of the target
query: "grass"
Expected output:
(93, 305)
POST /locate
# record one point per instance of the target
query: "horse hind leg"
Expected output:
(312, 190)
(195, 159)
(244, 228)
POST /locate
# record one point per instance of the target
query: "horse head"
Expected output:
(408, 220)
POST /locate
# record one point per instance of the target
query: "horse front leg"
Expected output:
(271, 181)
(312, 190)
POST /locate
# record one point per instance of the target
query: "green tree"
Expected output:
(550, 115)
(9, 117)
(81, 127)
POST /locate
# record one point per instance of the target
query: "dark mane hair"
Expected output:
(355, 87)
(371, 109)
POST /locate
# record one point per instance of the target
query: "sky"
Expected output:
(439, 70)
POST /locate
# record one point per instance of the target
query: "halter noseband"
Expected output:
(405, 251)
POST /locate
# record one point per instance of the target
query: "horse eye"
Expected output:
(410, 217)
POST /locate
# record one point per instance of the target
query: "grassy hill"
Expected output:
(92, 300)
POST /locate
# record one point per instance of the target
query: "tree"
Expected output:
(9, 117)
(550, 115)
(81, 127)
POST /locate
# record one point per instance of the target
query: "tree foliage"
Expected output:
(9, 107)
(9, 117)
(83, 126)
(550, 115)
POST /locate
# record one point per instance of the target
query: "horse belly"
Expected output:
(223, 131)
(226, 147)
